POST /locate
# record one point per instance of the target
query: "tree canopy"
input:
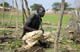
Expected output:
(57, 5)
(35, 6)
(5, 4)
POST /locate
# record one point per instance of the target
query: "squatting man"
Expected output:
(31, 31)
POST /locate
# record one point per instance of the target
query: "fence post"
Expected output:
(3, 16)
(11, 12)
(17, 15)
(59, 26)
(26, 3)
(22, 11)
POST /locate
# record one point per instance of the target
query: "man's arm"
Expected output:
(28, 22)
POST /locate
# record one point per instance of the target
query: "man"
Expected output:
(31, 32)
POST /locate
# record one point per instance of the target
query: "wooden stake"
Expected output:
(11, 12)
(3, 16)
(22, 11)
(59, 27)
(17, 15)
(26, 3)
(25, 14)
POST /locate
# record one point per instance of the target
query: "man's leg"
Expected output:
(46, 35)
(42, 41)
(32, 37)
(26, 46)
(25, 43)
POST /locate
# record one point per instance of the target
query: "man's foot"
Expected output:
(26, 46)
(42, 43)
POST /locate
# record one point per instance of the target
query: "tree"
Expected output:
(5, 4)
(35, 6)
(65, 5)
(57, 6)
(10, 6)
(70, 8)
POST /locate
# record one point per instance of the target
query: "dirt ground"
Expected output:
(36, 48)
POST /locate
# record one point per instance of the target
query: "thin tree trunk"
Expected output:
(3, 16)
(17, 15)
(22, 11)
(26, 3)
(11, 12)
(59, 26)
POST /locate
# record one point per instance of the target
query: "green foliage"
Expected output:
(70, 8)
(10, 7)
(5, 4)
(65, 5)
(57, 6)
(35, 6)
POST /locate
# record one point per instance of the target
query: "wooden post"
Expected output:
(22, 11)
(26, 3)
(59, 26)
(11, 12)
(25, 14)
(3, 16)
(17, 15)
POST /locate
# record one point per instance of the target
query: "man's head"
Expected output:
(41, 11)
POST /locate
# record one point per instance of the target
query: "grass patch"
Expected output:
(16, 44)
(68, 45)
(49, 18)
(49, 29)
(51, 50)
(9, 32)
(55, 19)
(74, 45)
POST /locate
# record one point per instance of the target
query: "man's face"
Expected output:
(41, 12)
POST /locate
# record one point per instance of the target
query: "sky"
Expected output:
(47, 4)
